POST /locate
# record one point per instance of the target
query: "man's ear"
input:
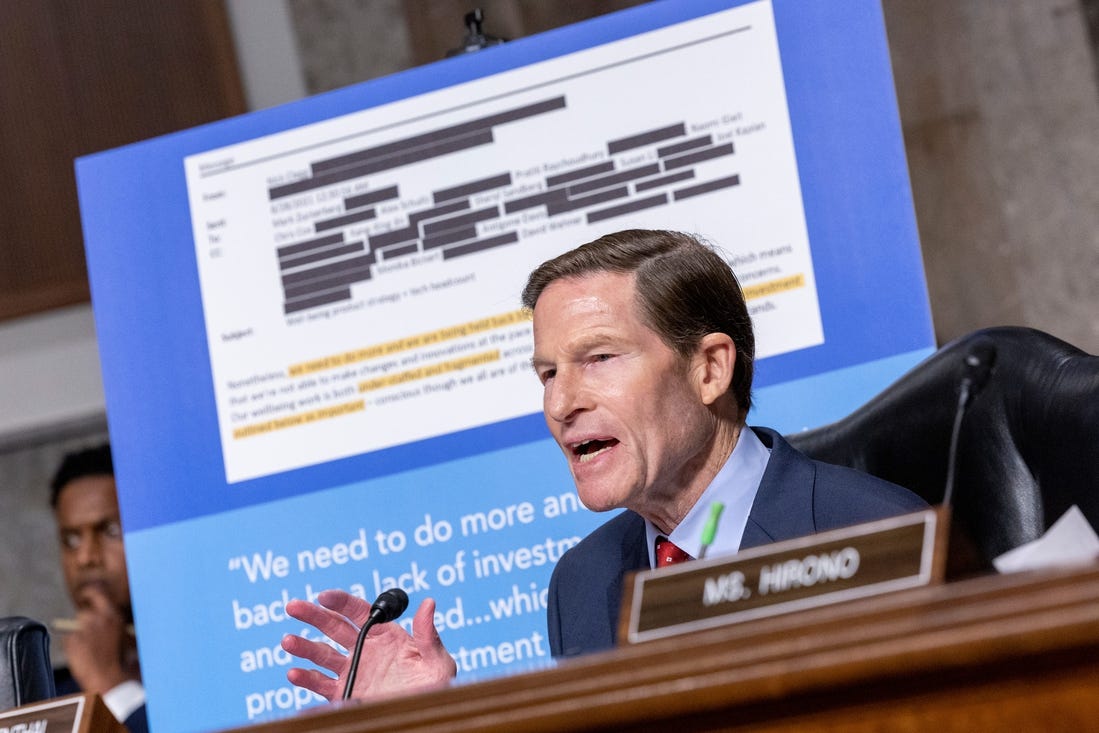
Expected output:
(714, 360)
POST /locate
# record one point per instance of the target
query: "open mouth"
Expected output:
(589, 449)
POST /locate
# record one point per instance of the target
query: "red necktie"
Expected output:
(668, 554)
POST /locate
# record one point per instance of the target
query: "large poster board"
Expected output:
(316, 368)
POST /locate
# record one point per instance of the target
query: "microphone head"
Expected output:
(389, 605)
(978, 362)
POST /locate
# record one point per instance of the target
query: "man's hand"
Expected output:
(392, 662)
(100, 650)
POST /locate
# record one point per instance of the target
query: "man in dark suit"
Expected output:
(100, 647)
(796, 497)
(645, 349)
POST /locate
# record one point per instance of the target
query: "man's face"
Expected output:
(623, 406)
(90, 531)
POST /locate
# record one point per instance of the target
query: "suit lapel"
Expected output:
(635, 556)
(783, 507)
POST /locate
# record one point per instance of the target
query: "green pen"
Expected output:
(709, 530)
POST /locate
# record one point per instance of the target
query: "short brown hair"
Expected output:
(685, 290)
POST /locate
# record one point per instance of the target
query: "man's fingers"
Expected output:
(426, 637)
(72, 644)
(423, 625)
(345, 604)
(318, 682)
(93, 597)
(316, 652)
(330, 623)
(392, 663)
(98, 622)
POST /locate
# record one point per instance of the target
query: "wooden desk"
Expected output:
(996, 653)
(82, 713)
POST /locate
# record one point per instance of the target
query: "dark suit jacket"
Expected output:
(66, 685)
(797, 496)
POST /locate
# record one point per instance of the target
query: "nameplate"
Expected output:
(854, 562)
(71, 714)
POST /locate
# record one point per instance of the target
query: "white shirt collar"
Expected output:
(735, 486)
(123, 699)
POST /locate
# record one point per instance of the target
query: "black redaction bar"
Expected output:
(529, 202)
(370, 197)
(593, 170)
(707, 187)
(315, 273)
(579, 203)
(337, 280)
(481, 123)
(467, 189)
(442, 225)
(389, 162)
(594, 184)
(663, 181)
(480, 245)
(396, 236)
(324, 254)
(401, 249)
(450, 237)
(697, 157)
(325, 241)
(412, 231)
(646, 138)
(339, 221)
(300, 305)
(416, 217)
(627, 208)
(696, 142)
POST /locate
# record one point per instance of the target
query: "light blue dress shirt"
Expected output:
(735, 485)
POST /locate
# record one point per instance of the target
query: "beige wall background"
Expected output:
(1000, 109)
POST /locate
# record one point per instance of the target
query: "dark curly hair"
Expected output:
(95, 461)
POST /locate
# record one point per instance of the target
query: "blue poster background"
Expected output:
(192, 539)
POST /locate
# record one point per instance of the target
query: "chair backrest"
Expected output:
(25, 674)
(1028, 445)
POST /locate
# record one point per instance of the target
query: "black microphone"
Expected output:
(387, 607)
(976, 368)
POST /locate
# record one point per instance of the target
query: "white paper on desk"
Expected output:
(1070, 540)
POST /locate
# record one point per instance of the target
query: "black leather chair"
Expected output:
(1028, 445)
(25, 674)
